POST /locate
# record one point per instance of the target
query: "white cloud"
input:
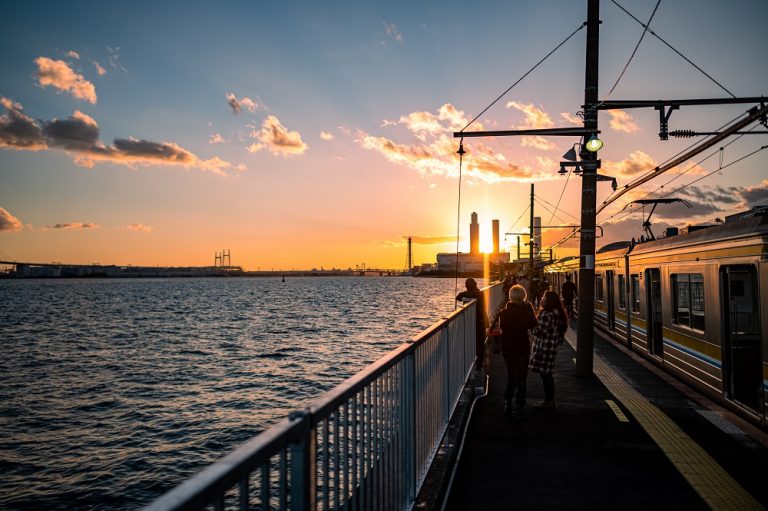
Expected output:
(326, 135)
(237, 105)
(393, 32)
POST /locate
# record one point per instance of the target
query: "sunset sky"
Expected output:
(309, 134)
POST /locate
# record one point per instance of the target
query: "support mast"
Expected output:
(585, 332)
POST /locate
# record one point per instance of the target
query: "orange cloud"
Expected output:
(79, 136)
(275, 138)
(572, 119)
(73, 54)
(59, 75)
(622, 121)
(99, 69)
(637, 164)
(435, 154)
(535, 117)
(8, 222)
(140, 228)
(431, 240)
(216, 139)
(540, 143)
(326, 135)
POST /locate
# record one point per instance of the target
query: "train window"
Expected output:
(688, 300)
(635, 289)
(599, 288)
(622, 293)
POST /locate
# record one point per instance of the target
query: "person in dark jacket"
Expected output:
(515, 321)
(548, 335)
(481, 319)
(568, 292)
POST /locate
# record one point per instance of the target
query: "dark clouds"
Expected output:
(78, 134)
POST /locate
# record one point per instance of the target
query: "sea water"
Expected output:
(112, 391)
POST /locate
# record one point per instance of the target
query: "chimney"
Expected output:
(495, 233)
(474, 235)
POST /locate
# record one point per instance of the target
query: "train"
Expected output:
(691, 302)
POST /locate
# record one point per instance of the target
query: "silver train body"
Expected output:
(692, 303)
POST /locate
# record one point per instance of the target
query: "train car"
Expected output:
(692, 304)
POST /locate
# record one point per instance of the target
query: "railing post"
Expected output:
(408, 400)
(444, 415)
(303, 465)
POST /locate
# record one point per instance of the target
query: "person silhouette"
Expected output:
(481, 319)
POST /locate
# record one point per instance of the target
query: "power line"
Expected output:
(721, 168)
(562, 192)
(694, 165)
(646, 28)
(549, 210)
(673, 49)
(562, 210)
(523, 77)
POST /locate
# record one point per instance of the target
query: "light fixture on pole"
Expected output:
(594, 144)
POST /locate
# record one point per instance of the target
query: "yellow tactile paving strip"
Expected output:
(713, 484)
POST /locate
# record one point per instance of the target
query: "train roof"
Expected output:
(755, 226)
(616, 245)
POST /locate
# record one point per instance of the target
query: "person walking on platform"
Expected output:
(481, 319)
(548, 335)
(568, 292)
(515, 320)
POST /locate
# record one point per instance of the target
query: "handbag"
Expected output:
(493, 341)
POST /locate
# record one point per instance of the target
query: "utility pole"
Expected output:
(585, 331)
(532, 242)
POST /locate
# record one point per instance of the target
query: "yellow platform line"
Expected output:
(713, 484)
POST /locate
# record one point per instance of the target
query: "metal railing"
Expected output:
(366, 444)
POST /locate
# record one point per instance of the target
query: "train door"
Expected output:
(653, 299)
(609, 302)
(742, 360)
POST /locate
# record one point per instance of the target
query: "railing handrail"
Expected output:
(215, 479)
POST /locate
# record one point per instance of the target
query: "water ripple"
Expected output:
(114, 391)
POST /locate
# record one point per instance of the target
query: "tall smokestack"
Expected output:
(495, 229)
(474, 235)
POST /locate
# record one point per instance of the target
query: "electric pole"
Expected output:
(585, 330)
(532, 242)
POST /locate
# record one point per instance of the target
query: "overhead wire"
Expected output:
(561, 210)
(720, 168)
(672, 48)
(674, 157)
(646, 28)
(523, 77)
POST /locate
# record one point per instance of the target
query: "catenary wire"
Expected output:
(646, 27)
(562, 192)
(673, 49)
(523, 77)
(611, 220)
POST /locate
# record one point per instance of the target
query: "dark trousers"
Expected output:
(479, 345)
(548, 380)
(517, 373)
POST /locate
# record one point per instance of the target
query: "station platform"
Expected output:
(629, 437)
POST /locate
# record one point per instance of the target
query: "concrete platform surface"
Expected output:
(626, 438)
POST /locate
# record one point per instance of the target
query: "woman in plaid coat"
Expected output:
(548, 335)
